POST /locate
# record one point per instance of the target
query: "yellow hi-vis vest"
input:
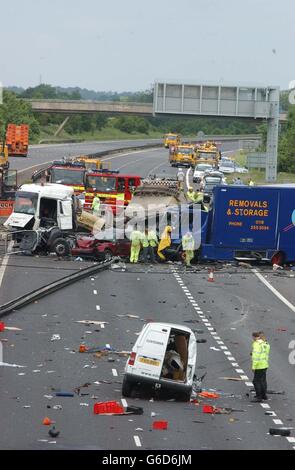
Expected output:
(150, 239)
(260, 354)
(188, 243)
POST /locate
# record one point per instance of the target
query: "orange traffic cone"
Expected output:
(211, 276)
(82, 348)
(47, 421)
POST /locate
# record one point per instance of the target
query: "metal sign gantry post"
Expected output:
(242, 101)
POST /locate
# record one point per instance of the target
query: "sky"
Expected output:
(125, 45)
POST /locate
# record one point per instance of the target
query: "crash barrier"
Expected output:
(26, 299)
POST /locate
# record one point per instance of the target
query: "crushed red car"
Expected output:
(90, 247)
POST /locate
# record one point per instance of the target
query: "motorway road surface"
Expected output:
(224, 313)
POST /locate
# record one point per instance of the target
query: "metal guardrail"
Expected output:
(36, 294)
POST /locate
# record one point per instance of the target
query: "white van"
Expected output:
(163, 357)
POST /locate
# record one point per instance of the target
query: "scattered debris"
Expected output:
(115, 408)
(236, 379)
(53, 432)
(279, 431)
(208, 395)
(64, 394)
(55, 338)
(92, 322)
(214, 349)
(5, 364)
(160, 425)
(57, 407)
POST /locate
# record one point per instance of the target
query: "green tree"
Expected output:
(17, 111)
(287, 144)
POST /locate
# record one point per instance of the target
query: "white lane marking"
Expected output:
(265, 405)
(240, 371)
(277, 421)
(115, 373)
(95, 292)
(227, 353)
(274, 291)
(5, 262)
(187, 177)
(108, 346)
(137, 441)
(291, 439)
(223, 347)
(98, 307)
(124, 402)
(102, 325)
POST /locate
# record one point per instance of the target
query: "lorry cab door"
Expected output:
(65, 215)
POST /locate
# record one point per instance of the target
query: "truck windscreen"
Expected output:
(25, 203)
(67, 176)
(101, 183)
(207, 155)
(185, 151)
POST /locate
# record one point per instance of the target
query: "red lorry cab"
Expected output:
(112, 188)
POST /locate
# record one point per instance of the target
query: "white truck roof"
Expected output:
(50, 190)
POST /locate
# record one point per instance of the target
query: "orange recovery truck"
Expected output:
(17, 140)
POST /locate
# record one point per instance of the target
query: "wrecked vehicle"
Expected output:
(163, 358)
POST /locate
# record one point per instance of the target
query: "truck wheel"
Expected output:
(61, 247)
(278, 258)
(126, 388)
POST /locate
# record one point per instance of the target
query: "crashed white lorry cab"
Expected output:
(36, 202)
(163, 357)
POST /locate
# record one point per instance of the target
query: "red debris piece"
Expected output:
(2, 326)
(162, 425)
(108, 407)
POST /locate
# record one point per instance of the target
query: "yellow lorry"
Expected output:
(183, 155)
(171, 139)
(208, 153)
(93, 163)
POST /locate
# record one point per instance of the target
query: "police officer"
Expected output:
(260, 354)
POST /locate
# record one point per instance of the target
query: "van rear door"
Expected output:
(150, 352)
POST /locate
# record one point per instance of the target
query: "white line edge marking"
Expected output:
(273, 290)
(124, 402)
(5, 262)
(115, 373)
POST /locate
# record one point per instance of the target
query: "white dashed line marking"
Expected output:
(137, 441)
(265, 405)
(219, 342)
(98, 307)
(102, 325)
(277, 421)
(95, 292)
(115, 373)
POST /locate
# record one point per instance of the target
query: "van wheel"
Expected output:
(61, 247)
(184, 396)
(126, 388)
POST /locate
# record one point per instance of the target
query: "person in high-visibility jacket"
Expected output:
(165, 242)
(136, 240)
(251, 182)
(260, 363)
(149, 243)
(188, 245)
(95, 204)
(191, 195)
